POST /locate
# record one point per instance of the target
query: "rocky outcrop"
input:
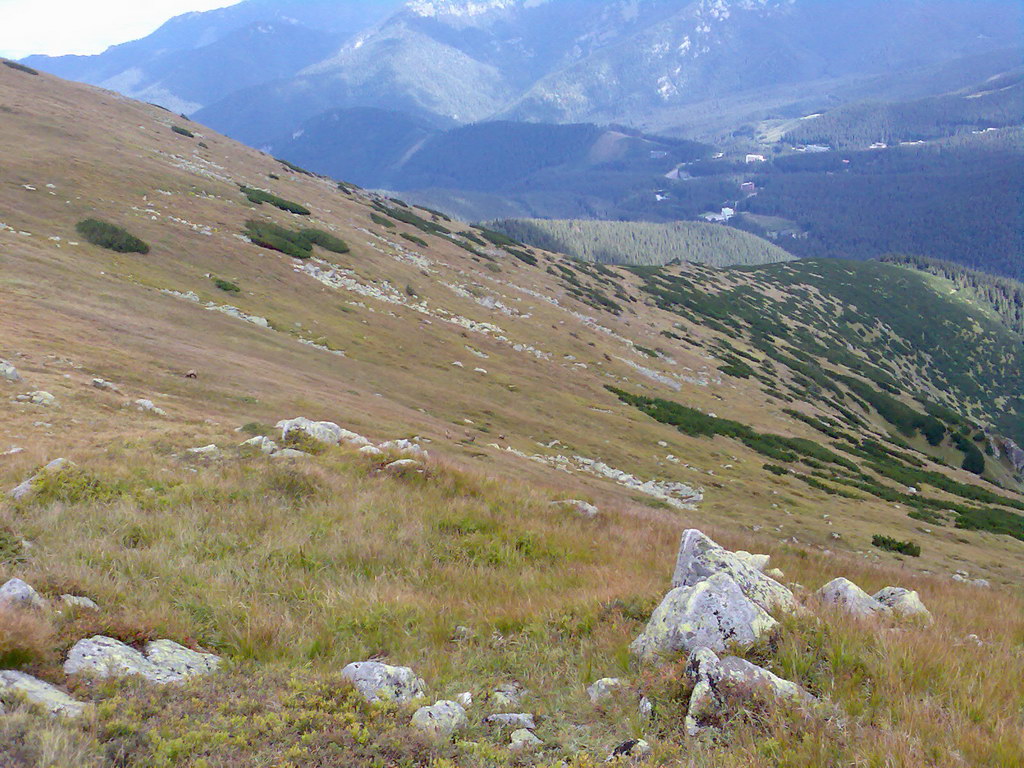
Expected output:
(326, 432)
(903, 602)
(721, 686)
(39, 397)
(851, 598)
(377, 682)
(710, 614)
(441, 719)
(700, 557)
(164, 661)
(17, 594)
(18, 685)
(512, 720)
(26, 489)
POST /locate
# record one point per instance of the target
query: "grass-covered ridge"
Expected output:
(644, 244)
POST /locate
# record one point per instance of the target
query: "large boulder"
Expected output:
(16, 685)
(700, 557)
(378, 682)
(440, 720)
(9, 373)
(25, 490)
(163, 662)
(713, 614)
(326, 432)
(17, 594)
(851, 598)
(722, 686)
(905, 602)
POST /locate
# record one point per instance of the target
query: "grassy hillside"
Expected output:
(644, 244)
(773, 407)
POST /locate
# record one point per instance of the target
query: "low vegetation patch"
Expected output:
(183, 131)
(296, 243)
(111, 236)
(20, 67)
(226, 285)
(260, 196)
(890, 544)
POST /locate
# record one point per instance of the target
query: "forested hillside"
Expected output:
(1003, 296)
(644, 243)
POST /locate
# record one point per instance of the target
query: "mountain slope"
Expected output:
(497, 359)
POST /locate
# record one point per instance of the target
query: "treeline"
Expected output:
(644, 243)
(1003, 295)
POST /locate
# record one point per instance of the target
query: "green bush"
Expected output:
(378, 219)
(20, 67)
(110, 236)
(298, 244)
(260, 196)
(890, 544)
(417, 240)
(325, 240)
(224, 285)
(183, 131)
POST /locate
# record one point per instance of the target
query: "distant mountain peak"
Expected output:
(463, 8)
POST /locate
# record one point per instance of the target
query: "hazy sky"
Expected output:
(85, 26)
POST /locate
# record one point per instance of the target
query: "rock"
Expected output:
(207, 451)
(981, 583)
(105, 385)
(465, 699)
(721, 686)
(710, 614)
(380, 682)
(604, 688)
(512, 720)
(25, 489)
(523, 741)
(290, 453)
(440, 720)
(633, 749)
(904, 602)
(163, 662)
(371, 450)
(17, 594)
(851, 598)
(326, 432)
(39, 397)
(582, 508)
(403, 464)
(775, 573)
(179, 660)
(404, 446)
(506, 695)
(699, 557)
(645, 709)
(962, 578)
(53, 700)
(261, 444)
(74, 601)
(9, 373)
(757, 562)
(147, 406)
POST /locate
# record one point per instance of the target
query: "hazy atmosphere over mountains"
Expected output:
(516, 384)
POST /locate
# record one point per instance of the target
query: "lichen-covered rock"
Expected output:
(512, 720)
(904, 602)
(440, 720)
(289, 453)
(712, 614)
(755, 561)
(370, 450)
(179, 660)
(604, 688)
(775, 573)
(207, 451)
(724, 685)
(326, 432)
(402, 464)
(105, 385)
(524, 741)
(700, 557)
(147, 406)
(582, 508)
(9, 373)
(851, 598)
(76, 601)
(506, 695)
(164, 661)
(381, 682)
(17, 684)
(261, 444)
(404, 446)
(39, 397)
(25, 490)
(17, 594)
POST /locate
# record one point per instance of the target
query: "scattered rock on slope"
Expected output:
(17, 594)
(381, 682)
(441, 719)
(25, 489)
(53, 700)
(712, 614)
(326, 432)
(164, 661)
(904, 602)
(700, 557)
(604, 688)
(8, 372)
(851, 598)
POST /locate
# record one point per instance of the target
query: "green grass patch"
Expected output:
(183, 131)
(226, 285)
(259, 196)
